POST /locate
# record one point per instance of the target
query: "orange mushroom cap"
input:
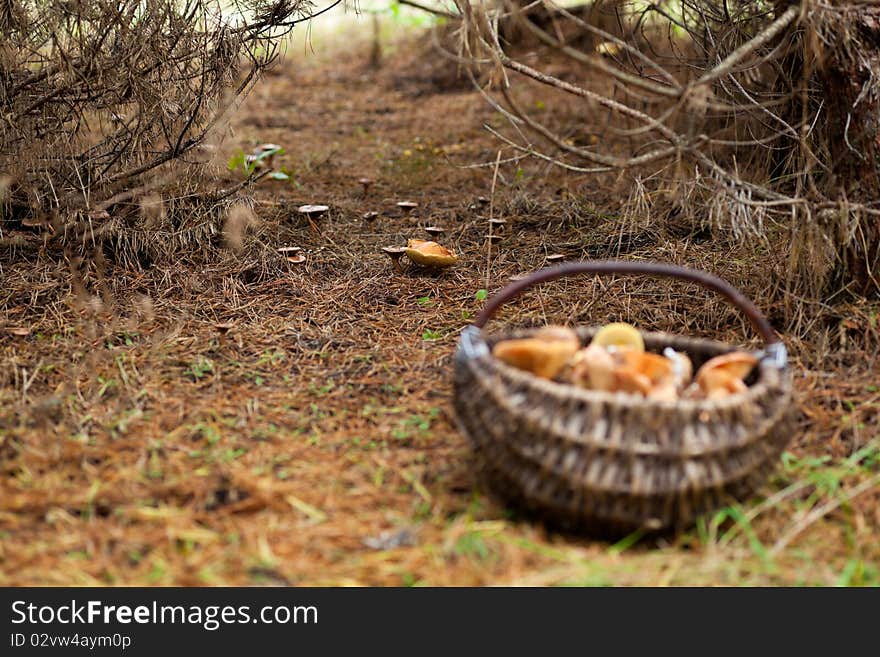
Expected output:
(430, 254)
(545, 354)
(724, 374)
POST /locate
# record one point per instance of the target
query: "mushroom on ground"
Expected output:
(395, 253)
(370, 216)
(434, 231)
(430, 254)
(619, 335)
(545, 354)
(312, 212)
(365, 183)
(497, 224)
(407, 206)
(724, 374)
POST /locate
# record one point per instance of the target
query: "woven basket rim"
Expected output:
(631, 401)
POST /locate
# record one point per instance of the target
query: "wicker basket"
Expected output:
(613, 463)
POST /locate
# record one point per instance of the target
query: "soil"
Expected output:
(249, 420)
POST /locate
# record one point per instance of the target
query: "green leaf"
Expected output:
(431, 335)
(279, 175)
(236, 161)
(481, 295)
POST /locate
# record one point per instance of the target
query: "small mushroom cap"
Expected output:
(288, 249)
(313, 209)
(593, 368)
(736, 363)
(371, 215)
(394, 250)
(435, 230)
(407, 205)
(296, 259)
(543, 358)
(224, 327)
(619, 335)
(365, 181)
(430, 254)
(497, 223)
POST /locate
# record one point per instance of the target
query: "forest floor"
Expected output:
(253, 421)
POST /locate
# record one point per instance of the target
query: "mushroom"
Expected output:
(555, 257)
(554, 333)
(224, 327)
(430, 254)
(593, 368)
(434, 231)
(365, 183)
(36, 222)
(371, 216)
(407, 206)
(312, 212)
(297, 259)
(724, 374)
(545, 354)
(483, 200)
(497, 224)
(717, 383)
(628, 379)
(619, 335)
(395, 253)
(287, 250)
(657, 368)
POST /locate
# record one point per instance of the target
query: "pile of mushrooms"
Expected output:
(616, 361)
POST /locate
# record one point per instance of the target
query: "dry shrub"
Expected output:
(757, 119)
(101, 103)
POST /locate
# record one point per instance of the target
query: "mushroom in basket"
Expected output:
(545, 354)
(724, 375)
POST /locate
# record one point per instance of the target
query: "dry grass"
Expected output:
(311, 442)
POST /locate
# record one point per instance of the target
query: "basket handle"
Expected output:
(773, 344)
